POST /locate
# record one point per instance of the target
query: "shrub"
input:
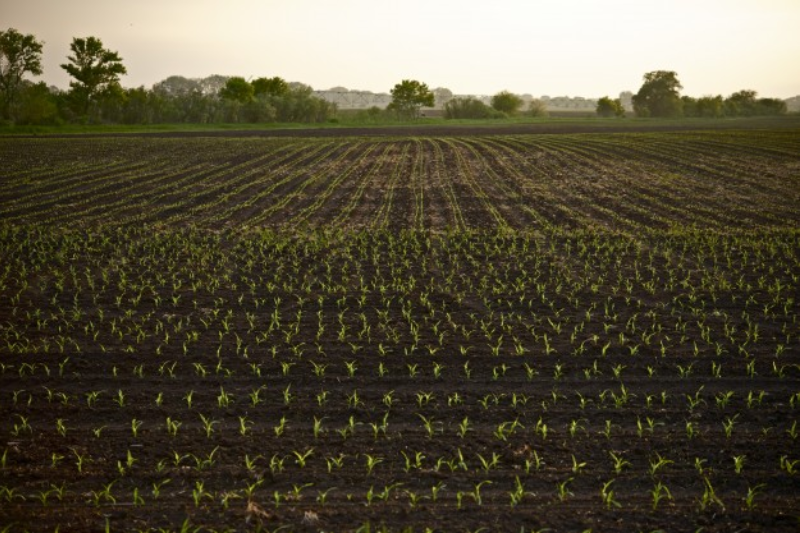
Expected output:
(469, 107)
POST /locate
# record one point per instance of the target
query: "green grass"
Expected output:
(350, 120)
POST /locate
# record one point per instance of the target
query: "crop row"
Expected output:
(621, 182)
(563, 332)
(326, 379)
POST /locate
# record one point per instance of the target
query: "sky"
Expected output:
(587, 48)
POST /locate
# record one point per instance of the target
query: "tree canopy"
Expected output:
(442, 95)
(237, 89)
(507, 102)
(608, 107)
(95, 70)
(18, 54)
(95, 93)
(537, 108)
(274, 86)
(743, 103)
(409, 96)
(659, 95)
(469, 107)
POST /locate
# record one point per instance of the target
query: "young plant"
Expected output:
(563, 491)
(301, 458)
(250, 464)
(372, 462)
(608, 495)
(135, 425)
(658, 463)
(80, 459)
(429, 424)
(208, 425)
(172, 426)
(750, 498)
(709, 496)
(476, 492)
(619, 462)
(488, 464)
(244, 426)
(335, 462)
(738, 463)
(659, 492)
(281, 427)
(728, 424)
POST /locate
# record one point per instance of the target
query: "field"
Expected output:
(473, 330)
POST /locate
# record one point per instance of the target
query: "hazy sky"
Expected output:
(557, 47)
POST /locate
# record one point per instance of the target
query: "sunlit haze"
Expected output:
(564, 47)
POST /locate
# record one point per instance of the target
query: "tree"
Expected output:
(506, 102)
(109, 104)
(18, 54)
(300, 105)
(409, 96)
(659, 95)
(607, 107)
(771, 106)
(176, 86)
(468, 107)
(442, 95)
(95, 70)
(236, 95)
(709, 106)
(273, 86)
(180, 99)
(139, 106)
(237, 89)
(36, 103)
(626, 98)
(689, 106)
(211, 85)
(741, 103)
(537, 108)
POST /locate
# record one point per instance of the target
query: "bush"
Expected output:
(537, 108)
(607, 107)
(469, 107)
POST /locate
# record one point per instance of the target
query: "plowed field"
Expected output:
(512, 332)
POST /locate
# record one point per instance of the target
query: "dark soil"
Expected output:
(486, 364)
(555, 126)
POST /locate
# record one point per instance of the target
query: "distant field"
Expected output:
(351, 124)
(509, 328)
(627, 182)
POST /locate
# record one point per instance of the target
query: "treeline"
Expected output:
(96, 95)
(502, 105)
(171, 101)
(739, 104)
(659, 96)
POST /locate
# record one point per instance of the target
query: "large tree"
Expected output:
(18, 54)
(507, 102)
(742, 104)
(659, 95)
(177, 86)
(275, 86)
(95, 70)
(35, 103)
(607, 107)
(409, 96)
(710, 106)
(237, 89)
